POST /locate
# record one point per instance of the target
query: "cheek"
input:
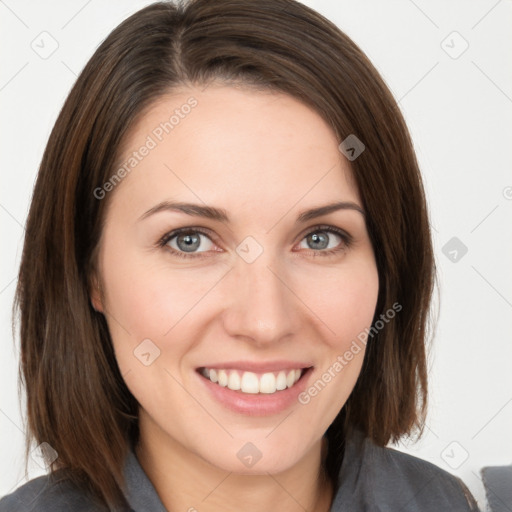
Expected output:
(154, 320)
(346, 307)
(151, 301)
(353, 312)
(344, 299)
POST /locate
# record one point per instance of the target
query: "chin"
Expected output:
(257, 457)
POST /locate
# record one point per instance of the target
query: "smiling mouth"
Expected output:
(254, 383)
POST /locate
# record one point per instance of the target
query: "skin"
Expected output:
(263, 157)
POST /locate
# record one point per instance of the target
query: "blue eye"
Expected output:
(326, 241)
(189, 242)
(186, 242)
(192, 242)
(322, 240)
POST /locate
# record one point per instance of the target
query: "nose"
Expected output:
(259, 304)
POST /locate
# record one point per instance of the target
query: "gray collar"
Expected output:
(140, 494)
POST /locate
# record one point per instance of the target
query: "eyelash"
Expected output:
(347, 240)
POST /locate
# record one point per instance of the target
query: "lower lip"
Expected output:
(257, 404)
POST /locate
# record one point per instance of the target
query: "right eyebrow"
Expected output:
(198, 210)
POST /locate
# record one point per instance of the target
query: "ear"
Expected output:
(95, 293)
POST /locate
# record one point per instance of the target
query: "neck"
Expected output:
(185, 481)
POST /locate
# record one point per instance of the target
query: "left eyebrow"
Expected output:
(328, 208)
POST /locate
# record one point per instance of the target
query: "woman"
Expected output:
(226, 275)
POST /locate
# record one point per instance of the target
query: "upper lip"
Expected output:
(253, 366)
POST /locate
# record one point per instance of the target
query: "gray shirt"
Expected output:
(371, 479)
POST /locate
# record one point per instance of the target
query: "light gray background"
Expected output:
(458, 107)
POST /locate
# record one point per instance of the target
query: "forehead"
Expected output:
(230, 145)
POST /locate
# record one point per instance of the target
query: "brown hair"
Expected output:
(77, 401)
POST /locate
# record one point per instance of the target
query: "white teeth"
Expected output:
(267, 383)
(234, 381)
(223, 378)
(250, 382)
(281, 381)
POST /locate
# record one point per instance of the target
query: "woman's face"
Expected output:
(254, 287)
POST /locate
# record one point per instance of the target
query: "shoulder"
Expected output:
(385, 479)
(48, 493)
(422, 482)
